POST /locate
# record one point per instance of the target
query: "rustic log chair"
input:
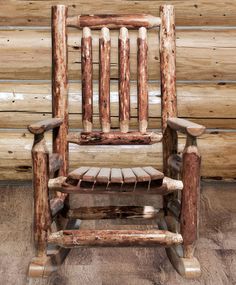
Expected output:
(178, 226)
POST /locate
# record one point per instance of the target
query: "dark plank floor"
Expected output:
(129, 266)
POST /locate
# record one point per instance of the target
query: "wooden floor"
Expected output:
(129, 266)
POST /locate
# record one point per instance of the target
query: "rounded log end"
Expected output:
(142, 33)
(59, 7)
(106, 127)
(41, 267)
(105, 33)
(167, 7)
(88, 126)
(196, 131)
(87, 32)
(143, 126)
(124, 126)
(124, 33)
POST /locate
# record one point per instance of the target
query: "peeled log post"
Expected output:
(104, 79)
(60, 83)
(87, 80)
(168, 81)
(190, 196)
(124, 80)
(168, 63)
(142, 80)
(77, 238)
(113, 212)
(42, 217)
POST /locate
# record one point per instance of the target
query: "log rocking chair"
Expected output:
(177, 227)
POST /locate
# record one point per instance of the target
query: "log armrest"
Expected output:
(45, 125)
(186, 127)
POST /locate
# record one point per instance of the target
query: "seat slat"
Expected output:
(129, 176)
(154, 173)
(78, 173)
(104, 175)
(116, 175)
(91, 175)
(141, 174)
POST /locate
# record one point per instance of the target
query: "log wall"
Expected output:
(206, 81)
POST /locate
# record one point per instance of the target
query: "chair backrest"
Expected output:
(142, 22)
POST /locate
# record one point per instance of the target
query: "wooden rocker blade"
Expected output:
(187, 267)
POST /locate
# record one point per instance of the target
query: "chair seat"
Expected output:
(115, 175)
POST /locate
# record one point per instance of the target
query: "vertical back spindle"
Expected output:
(87, 79)
(142, 80)
(60, 83)
(124, 80)
(104, 79)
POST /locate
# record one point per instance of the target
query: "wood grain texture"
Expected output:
(43, 126)
(142, 80)
(115, 21)
(168, 64)
(104, 79)
(114, 212)
(55, 163)
(210, 104)
(101, 238)
(87, 79)
(189, 215)
(114, 138)
(42, 217)
(16, 161)
(168, 82)
(140, 266)
(188, 12)
(60, 83)
(201, 54)
(185, 126)
(124, 80)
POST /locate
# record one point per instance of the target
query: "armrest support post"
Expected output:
(190, 196)
(42, 216)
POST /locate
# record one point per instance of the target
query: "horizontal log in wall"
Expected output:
(210, 104)
(188, 12)
(201, 54)
(218, 151)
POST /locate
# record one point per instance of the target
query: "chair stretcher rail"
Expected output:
(114, 138)
(77, 238)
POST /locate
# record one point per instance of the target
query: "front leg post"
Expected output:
(190, 196)
(42, 217)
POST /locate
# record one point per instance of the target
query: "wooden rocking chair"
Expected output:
(178, 227)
